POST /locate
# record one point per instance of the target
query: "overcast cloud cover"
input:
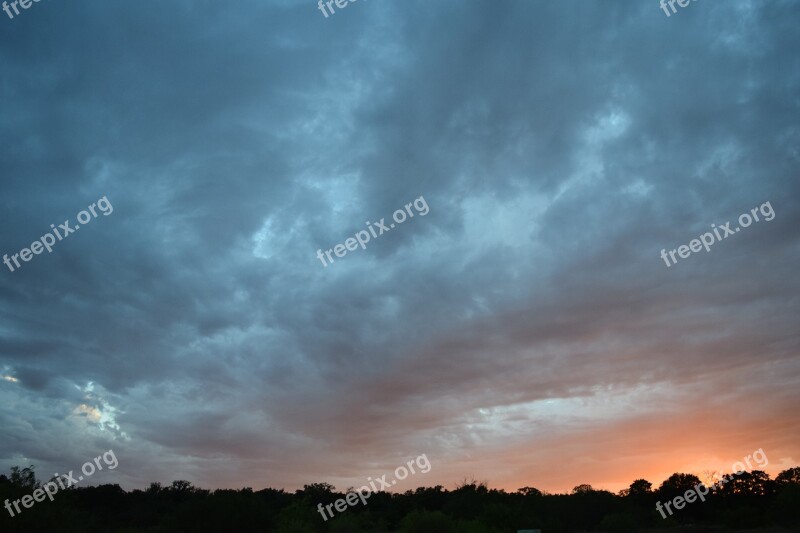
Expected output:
(524, 332)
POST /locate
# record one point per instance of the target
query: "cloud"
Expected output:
(521, 332)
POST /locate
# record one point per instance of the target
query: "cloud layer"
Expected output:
(525, 331)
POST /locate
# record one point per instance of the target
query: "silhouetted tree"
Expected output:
(24, 478)
(755, 483)
(677, 485)
(181, 486)
(582, 489)
(640, 487)
(529, 491)
(748, 500)
(791, 475)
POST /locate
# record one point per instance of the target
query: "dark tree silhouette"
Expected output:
(677, 485)
(792, 475)
(640, 487)
(582, 489)
(751, 499)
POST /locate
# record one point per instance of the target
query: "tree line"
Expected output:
(749, 500)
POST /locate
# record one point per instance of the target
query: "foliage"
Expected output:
(751, 499)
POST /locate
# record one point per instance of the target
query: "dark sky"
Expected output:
(525, 331)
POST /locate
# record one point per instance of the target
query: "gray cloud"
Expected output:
(560, 147)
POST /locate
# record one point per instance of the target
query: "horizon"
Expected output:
(704, 476)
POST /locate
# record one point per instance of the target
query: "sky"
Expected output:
(524, 331)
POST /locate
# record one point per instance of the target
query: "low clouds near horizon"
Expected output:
(525, 331)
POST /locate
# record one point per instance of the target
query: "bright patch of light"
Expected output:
(92, 413)
(97, 411)
(602, 404)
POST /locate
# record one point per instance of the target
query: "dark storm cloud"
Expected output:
(560, 147)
